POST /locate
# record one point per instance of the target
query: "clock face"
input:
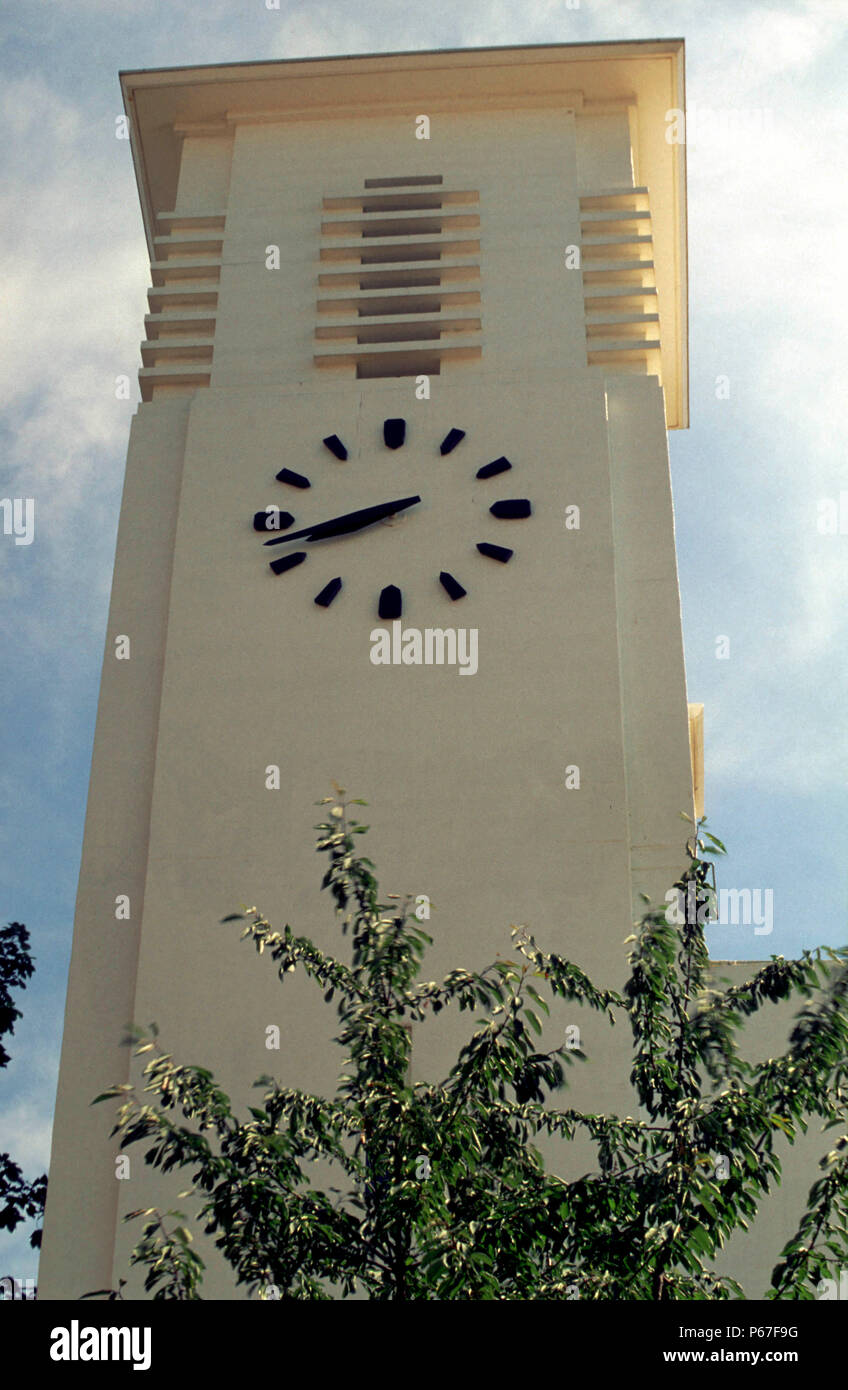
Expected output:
(293, 543)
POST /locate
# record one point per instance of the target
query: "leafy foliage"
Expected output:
(20, 1200)
(445, 1195)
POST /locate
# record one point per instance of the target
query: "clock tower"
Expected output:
(397, 514)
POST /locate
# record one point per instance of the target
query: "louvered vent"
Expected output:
(177, 351)
(620, 297)
(399, 282)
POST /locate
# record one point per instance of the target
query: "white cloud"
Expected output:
(74, 303)
(762, 42)
(768, 220)
(27, 1128)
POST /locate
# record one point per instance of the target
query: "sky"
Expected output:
(756, 478)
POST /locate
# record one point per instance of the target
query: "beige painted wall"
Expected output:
(580, 652)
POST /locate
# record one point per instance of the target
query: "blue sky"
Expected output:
(768, 227)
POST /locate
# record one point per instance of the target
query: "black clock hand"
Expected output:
(351, 521)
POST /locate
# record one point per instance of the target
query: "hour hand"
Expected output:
(343, 525)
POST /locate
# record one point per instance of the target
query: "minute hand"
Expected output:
(351, 521)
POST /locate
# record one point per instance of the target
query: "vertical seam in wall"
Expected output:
(162, 650)
(622, 680)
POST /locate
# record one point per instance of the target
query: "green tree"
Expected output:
(20, 1200)
(444, 1194)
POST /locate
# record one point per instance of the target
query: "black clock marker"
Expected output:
(335, 446)
(288, 562)
(287, 475)
(490, 470)
(495, 552)
(452, 586)
(450, 441)
(261, 519)
(394, 433)
(391, 602)
(328, 593)
(515, 507)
